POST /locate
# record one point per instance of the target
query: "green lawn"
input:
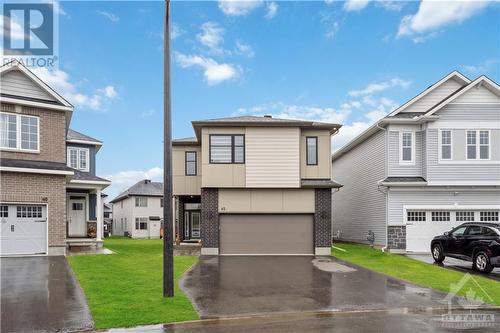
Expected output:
(414, 271)
(125, 289)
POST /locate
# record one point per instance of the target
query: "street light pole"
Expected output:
(168, 225)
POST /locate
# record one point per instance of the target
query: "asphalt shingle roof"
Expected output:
(404, 180)
(74, 135)
(319, 183)
(144, 188)
(30, 164)
(80, 175)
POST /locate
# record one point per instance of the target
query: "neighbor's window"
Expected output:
(227, 149)
(478, 150)
(407, 147)
(415, 216)
(141, 223)
(78, 158)
(4, 211)
(440, 216)
(484, 145)
(446, 145)
(19, 132)
(190, 163)
(464, 216)
(26, 211)
(312, 150)
(141, 201)
(488, 216)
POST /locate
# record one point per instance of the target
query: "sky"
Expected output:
(343, 62)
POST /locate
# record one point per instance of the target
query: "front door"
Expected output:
(76, 218)
(191, 224)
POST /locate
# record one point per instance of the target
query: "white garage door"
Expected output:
(24, 229)
(423, 225)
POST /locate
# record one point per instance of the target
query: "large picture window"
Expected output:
(78, 158)
(312, 150)
(19, 132)
(191, 163)
(227, 149)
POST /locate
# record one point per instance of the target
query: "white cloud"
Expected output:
(394, 6)
(355, 5)
(244, 49)
(238, 7)
(214, 72)
(59, 80)
(433, 15)
(110, 16)
(175, 31)
(373, 88)
(122, 180)
(330, 22)
(211, 36)
(148, 113)
(271, 10)
(481, 68)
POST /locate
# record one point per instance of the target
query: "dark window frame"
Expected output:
(232, 149)
(195, 163)
(307, 150)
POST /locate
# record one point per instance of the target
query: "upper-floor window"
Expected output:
(227, 148)
(478, 145)
(190, 167)
(312, 150)
(407, 148)
(446, 145)
(141, 201)
(19, 132)
(78, 158)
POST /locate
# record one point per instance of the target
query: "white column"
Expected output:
(99, 213)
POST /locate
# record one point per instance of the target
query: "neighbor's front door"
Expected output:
(76, 218)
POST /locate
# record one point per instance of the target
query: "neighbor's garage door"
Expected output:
(266, 234)
(24, 229)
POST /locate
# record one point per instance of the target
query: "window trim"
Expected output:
(441, 144)
(478, 145)
(78, 149)
(307, 150)
(232, 149)
(412, 161)
(18, 133)
(195, 163)
(138, 221)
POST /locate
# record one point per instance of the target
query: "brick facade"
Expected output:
(43, 189)
(322, 217)
(396, 237)
(52, 127)
(210, 217)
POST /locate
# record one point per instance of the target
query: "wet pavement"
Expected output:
(235, 286)
(40, 294)
(483, 321)
(459, 265)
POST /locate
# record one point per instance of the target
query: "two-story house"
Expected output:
(138, 211)
(255, 186)
(50, 196)
(428, 166)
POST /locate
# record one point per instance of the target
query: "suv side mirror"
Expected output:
(446, 233)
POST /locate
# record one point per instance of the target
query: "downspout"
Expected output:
(386, 192)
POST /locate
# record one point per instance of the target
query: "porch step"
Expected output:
(83, 242)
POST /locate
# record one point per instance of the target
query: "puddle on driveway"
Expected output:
(328, 265)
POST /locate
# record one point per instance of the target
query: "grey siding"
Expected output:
(470, 112)
(359, 206)
(18, 84)
(395, 169)
(434, 97)
(92, 153)
(424, 154)
(399, 198)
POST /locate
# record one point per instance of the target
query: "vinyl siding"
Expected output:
(478, 95)
(272, 157)
(16, 83)
(395, 169)
(484, 113)
(434, 97)
(359, 206)
(399, 198)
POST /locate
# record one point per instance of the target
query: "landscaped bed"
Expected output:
(125, 289)
(414, 271)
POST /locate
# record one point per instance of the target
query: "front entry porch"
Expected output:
(188, 219)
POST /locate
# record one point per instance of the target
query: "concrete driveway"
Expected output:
(40, 294)
(232, 286)
(459, 265)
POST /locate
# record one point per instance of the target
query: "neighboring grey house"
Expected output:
(428, 166)
(138, 211)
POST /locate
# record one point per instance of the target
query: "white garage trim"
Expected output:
(46, 227)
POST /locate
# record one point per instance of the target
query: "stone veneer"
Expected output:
(323, 217)
(396, 237)
(209, 217)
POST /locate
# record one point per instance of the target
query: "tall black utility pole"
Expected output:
(168, 225)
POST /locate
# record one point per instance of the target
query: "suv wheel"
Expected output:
(437, 253)
(482, 263)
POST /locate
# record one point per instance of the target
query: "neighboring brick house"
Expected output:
(49, 196)
(255, 186)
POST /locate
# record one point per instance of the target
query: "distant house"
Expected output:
(427, 167)
(138, 211)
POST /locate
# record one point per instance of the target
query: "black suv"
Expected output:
(476, 242)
